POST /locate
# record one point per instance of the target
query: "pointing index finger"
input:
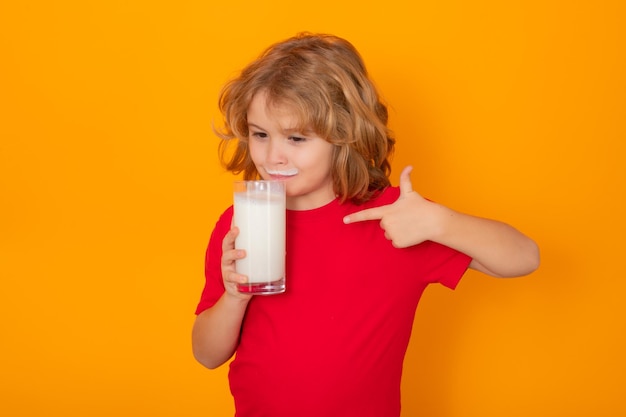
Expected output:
(375, 213)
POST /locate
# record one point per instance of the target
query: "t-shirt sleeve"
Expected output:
(446, 265)
(214, 285)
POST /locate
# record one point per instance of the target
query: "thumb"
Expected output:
(405, 181)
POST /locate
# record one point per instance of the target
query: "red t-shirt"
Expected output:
(333, 344)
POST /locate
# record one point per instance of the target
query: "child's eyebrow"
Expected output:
(255, 126)
(289, 130)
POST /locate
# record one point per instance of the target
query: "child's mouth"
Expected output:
(283, 174)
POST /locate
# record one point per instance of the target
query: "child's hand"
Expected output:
(408, 221)
(229, 255)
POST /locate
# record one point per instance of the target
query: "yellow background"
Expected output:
(110, 187)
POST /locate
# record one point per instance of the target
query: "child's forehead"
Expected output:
(278, 103)
(288, 107)
(292, 116)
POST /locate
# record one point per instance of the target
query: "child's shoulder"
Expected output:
(385, 196)
(225, 219)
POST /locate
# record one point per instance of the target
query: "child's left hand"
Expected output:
(409, 220)
(496, 248)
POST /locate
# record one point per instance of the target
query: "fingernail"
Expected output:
(346, 220)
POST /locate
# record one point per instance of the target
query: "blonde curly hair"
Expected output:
(323, 79)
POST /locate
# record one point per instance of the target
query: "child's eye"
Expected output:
(259, 135)
(297, 139)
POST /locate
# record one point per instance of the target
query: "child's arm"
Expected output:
(216, 331)
(215, 334)
(496, 248)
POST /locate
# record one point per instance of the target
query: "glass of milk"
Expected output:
(260, 216)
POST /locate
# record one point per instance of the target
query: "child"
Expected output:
(360, 252)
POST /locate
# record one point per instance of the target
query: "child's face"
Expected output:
(301, 159)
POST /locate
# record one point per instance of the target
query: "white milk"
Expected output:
(261, 221)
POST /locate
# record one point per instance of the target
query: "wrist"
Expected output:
(442, 222)
(235, 299)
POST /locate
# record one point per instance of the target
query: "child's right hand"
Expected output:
(229, 256)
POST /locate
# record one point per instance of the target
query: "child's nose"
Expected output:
(275, 151)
